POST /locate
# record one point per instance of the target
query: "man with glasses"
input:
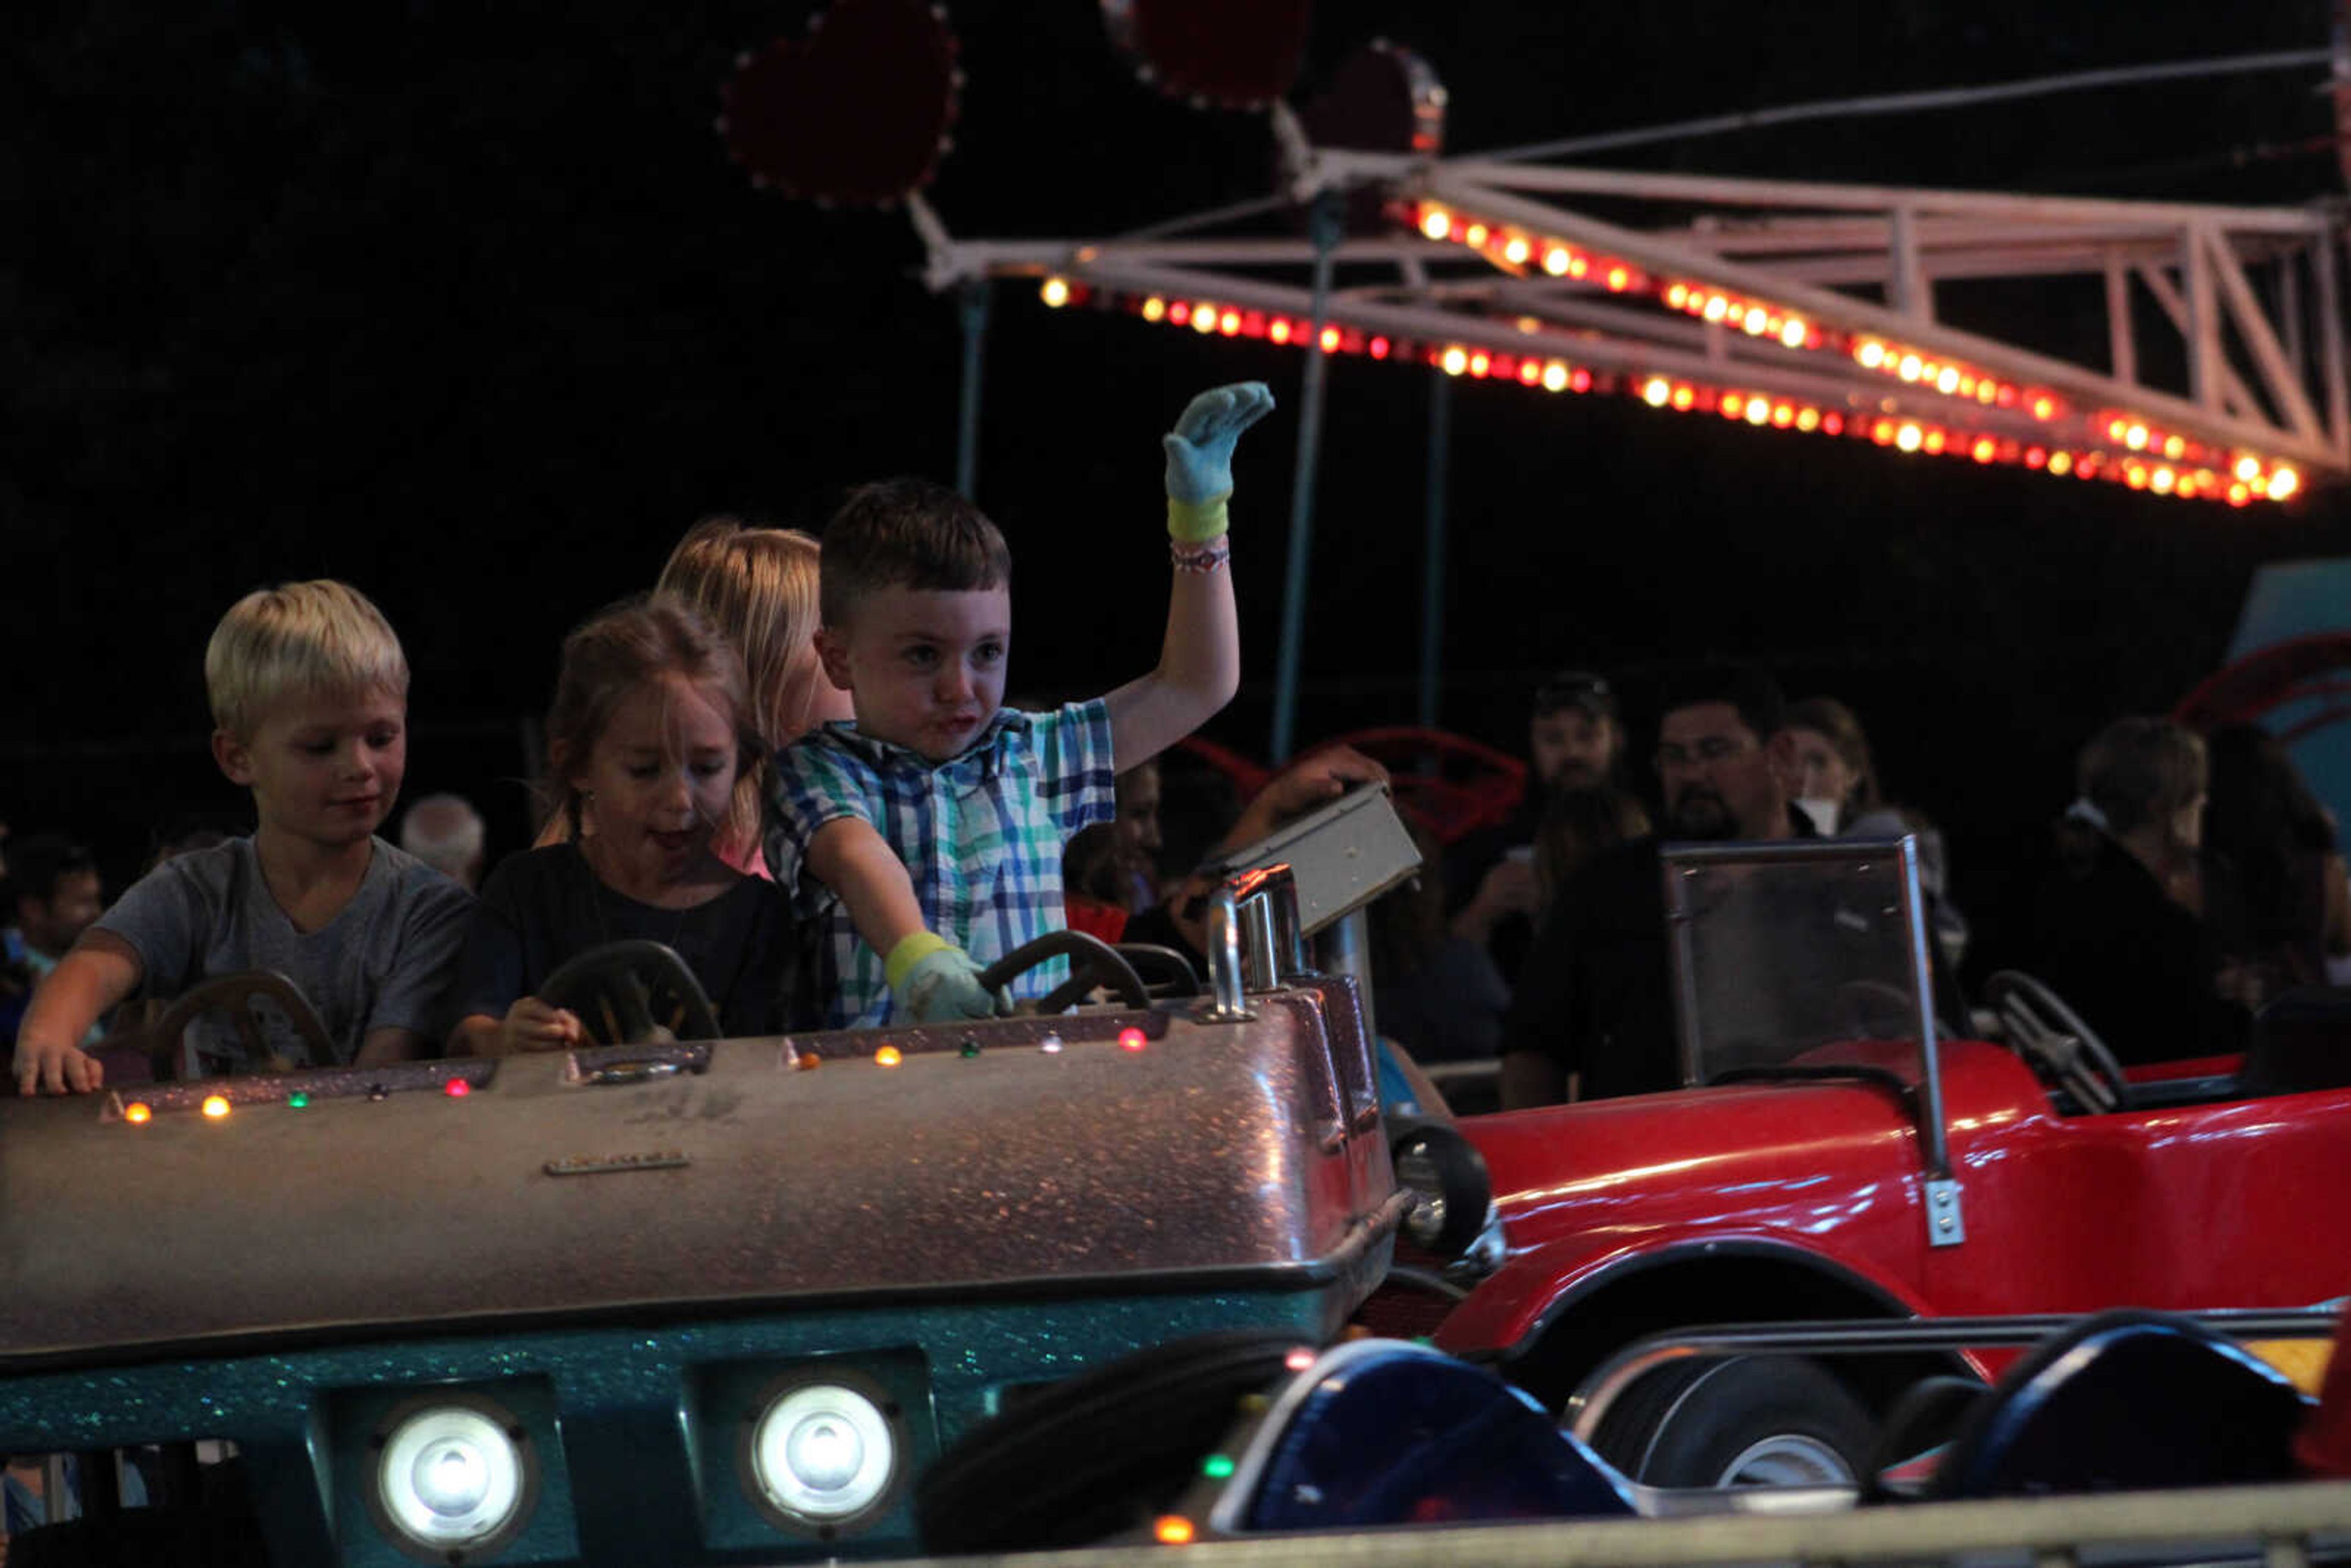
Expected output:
(1575, 739)
(1593, 1017)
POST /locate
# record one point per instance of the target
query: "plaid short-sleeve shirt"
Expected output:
(981, 835)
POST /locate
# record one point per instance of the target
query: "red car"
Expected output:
(1821, 1164)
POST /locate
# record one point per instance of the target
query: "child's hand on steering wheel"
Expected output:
(532, 1025)
(935, 981)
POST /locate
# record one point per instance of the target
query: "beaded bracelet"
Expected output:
(1202, 558)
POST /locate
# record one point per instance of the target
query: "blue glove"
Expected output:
(935, 981)
(1200, 456)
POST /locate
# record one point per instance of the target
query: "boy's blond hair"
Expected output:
(299, 637)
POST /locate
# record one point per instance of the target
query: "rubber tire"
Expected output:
(1682, 1427)
(1094, 1455)
(141, 1538)
(1928, 1414)
(219, 1530)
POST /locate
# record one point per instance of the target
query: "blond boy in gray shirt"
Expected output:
(310, 695)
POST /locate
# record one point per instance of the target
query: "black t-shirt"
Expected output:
(1595, 993)
(2137, 966)
(545, 906)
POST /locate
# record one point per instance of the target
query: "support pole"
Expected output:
(2330, 345)
(1912, 293)
(2288, 292)
(1432, 567)
(1327, 221)
(2203, 322)
(2122, 347)
(974, 303)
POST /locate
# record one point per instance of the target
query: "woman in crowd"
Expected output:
(1834, 781)
(2269, 841)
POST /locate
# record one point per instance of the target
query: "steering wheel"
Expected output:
(640, 991)
(232, 996)
(2053, 1037)
(1165, 972)
(1093, 962)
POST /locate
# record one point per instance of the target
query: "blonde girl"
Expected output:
(758, 586)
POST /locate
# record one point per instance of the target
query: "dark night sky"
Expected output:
(475, 312)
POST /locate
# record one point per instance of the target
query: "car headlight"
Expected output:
(454, 1473)
(821, 1455)
(1450, 1190)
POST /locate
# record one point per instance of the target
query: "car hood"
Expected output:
(1832, 1167)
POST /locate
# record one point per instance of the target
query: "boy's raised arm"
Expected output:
(1200, 662)
(101, 971)
(930, 977)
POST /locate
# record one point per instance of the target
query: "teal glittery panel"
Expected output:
(642, 1462)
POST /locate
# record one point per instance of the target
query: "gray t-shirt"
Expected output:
(385, 961)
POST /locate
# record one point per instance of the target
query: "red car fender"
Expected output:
(1533, 1291)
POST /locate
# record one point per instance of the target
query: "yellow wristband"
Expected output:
(909, 952)
(1196, 522)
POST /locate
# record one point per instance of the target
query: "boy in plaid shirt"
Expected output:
(927, 834)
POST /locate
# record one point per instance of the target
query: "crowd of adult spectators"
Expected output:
(2192, 878)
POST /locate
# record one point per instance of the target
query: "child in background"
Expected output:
(647, 734)
(1097, 889)
(1139, 837)
(928, 834)
(310, 692)
(758, 586)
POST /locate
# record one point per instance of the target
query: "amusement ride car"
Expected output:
(1838, 1154)
(680, 1302)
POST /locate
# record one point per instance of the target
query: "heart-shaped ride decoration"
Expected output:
(1237, 54)
(857, 111)
(1382, 98)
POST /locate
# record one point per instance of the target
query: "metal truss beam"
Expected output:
(1827, 297)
